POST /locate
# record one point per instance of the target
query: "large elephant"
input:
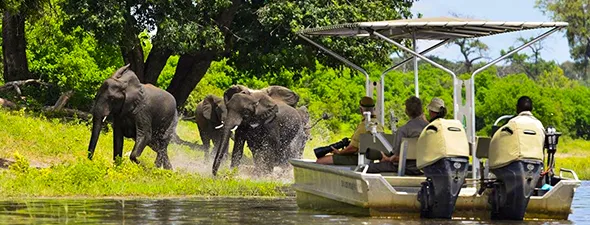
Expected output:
(139, 111)
(209, 117)
(274, 130)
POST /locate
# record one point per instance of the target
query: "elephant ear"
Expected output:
(283, 94)
(207, 109)
(210, 103)
(266, 109)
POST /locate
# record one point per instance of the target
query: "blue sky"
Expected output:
(555, 46)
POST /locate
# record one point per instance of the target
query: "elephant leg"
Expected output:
(144, 136)
(162, 160)
(238, 151)
(117, 139)
(206, 138)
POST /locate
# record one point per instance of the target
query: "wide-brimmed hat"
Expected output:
(435, 104)
(367, 102)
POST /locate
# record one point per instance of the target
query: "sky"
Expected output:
(555, 46)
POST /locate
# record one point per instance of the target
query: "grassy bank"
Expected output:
(60, 150)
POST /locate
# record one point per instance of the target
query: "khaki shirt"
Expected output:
(361, 129)
(412, 129)
(527, 117)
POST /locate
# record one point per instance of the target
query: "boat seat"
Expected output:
(482, 148)
(407, 150)
(366, 141)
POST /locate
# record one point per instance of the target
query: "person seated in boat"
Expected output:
(524, 108)
(411, 129)
(349, 155)
(436, 109)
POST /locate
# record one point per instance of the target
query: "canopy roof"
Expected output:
(437, 28)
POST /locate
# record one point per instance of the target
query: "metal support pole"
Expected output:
(382, 78)
(455, 98)
(416, 88)
(344, 60)
(471, 93)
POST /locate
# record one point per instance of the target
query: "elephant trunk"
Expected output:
(96, 126)
(223, 147)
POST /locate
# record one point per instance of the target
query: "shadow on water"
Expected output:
(215, 211)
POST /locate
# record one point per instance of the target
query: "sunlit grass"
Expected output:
(61, 150)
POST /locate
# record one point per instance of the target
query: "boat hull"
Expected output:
(340, 189)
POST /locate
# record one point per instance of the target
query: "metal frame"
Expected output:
(462, 112)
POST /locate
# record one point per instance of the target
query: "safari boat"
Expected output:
(509, 176)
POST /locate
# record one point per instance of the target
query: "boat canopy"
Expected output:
(437, 28)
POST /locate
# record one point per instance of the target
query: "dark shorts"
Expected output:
(345, 159)
(389, 167)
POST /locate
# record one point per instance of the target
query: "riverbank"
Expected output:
(48, 159)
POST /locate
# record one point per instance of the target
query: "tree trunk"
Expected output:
(14, 47)
(133, 54)
(155, 63)
(131, 47)
(189, 71)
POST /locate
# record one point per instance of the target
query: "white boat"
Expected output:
(503, 177)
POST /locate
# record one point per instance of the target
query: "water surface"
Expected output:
(215, 211)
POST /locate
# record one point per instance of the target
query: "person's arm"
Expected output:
(349, 150)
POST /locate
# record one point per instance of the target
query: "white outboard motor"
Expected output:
(443, 154)
(516, 159)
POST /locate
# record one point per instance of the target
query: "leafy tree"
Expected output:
(14, 57)
(257, 36)
(577, 14)
(532, 65)
(472, 50)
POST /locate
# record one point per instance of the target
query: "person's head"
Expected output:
(436, 108)
(367, 105)
(524, 104)
(413, 107)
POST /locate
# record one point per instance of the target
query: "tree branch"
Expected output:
(17, 83)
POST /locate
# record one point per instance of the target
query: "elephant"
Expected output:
(276, 92)
(139, 111)
(274, 130)
(209, 117)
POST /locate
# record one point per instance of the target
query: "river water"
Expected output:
(215, 211)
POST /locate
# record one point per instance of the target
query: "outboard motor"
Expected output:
(443, 154)
(516, 159)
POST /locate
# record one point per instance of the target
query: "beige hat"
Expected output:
(435, 104)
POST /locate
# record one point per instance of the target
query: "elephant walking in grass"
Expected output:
(274, 130)
(142, 112)
(209, 118)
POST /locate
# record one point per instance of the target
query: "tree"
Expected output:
(577, 14)
(532, 65)
(256, 36)
(14, 57)
(472, 50)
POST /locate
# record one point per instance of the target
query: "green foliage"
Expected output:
(70, 61)
(576, 13)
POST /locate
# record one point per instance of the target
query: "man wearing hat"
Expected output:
(349, 155)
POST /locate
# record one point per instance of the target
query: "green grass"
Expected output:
(61, 149)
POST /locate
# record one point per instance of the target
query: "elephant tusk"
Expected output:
(104, 118)
(234, 129)
(219, 127)
(254, 125)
